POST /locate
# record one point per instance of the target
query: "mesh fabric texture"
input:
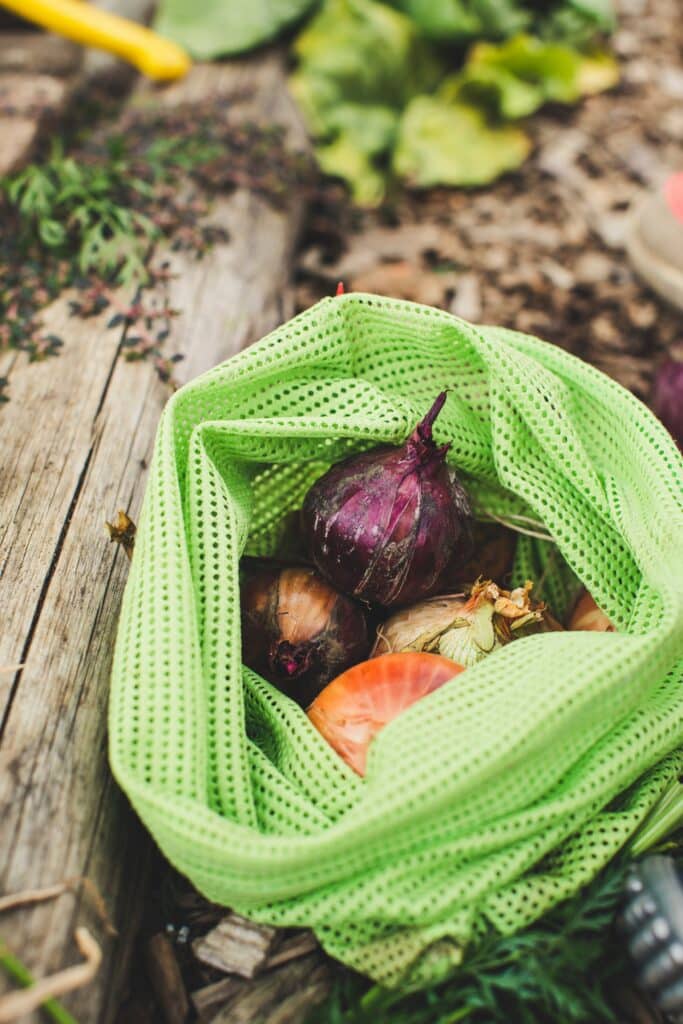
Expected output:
(495, 797)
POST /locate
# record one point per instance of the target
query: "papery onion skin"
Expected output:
(413, 628)
(357, 704)
(383, 525)
(587, 616)
(297, 631)
(465, 628)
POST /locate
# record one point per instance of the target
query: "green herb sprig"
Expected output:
(558, 970)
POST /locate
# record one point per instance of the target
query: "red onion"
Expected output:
(297, 631)
(667, 398)
(383, 526)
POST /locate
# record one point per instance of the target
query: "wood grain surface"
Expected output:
(78, 434)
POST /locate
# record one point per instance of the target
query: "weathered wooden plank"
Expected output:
(285, 995)
(27, 103)
(82, 429)
(41, 73)
(47, 437)
(38, 53)
(167, 982)
(62, 814)
(209, 1000)
(236, 946)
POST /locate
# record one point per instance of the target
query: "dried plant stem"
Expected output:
(96, 900)
(512, 523)
(42, 993)
(11, 668)
(21, 974)
(15, 1004)
(20, 899)
(92, 893)
(381, 635)
(526, 519)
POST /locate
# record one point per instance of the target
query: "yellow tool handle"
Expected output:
(85, 24)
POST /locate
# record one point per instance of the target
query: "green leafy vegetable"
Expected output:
(452, 144)
(570, 21)
(514, 79)
(216, 28)
(368, 71)
(559, 969)
(463, 20)
(360, 63)
(366, 53)
(362, 133)
(366, 83)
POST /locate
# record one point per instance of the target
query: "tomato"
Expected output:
(361, 701)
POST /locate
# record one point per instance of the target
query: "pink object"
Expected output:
(673, 192)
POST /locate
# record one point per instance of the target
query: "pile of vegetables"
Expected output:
(389, 534)
(393, 89)
(383, 100)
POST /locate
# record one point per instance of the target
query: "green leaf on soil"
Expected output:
(216, 28)
(442, 143)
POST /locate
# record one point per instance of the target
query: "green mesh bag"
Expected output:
(496, 796)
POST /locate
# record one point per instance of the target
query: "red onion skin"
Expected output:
(383, 525)
(667, 398)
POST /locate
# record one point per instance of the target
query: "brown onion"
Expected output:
(297, 631)
(587, 616)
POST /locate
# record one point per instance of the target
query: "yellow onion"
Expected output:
(587, 616)
(297, 631)
(465, 628)
(361, 701)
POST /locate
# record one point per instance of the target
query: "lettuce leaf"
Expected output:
(570, 21)
(514, 79)
(218, 28)
(360, 63)
(444, 143)
(454, 20)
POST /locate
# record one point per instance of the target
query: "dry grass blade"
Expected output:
(16, 1004)
(11, 668)
(517, 528)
